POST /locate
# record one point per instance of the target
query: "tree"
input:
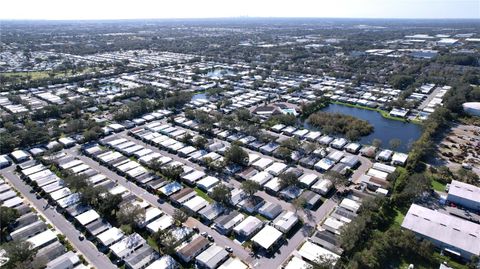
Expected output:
(76, 182)
(7, 216)
(222, 194)
(180, 216)
(376, 142)
(288, 179)
(299, 203)
(250, 187)
(20, 254)
(323, 262)
(200, 142)
(336, 178)
(165, 241)
(236, 155)
(172, 172)
(394, 143)
(109, 205)
(130, 214)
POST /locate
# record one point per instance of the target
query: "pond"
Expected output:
(199, 96)
(384, 129)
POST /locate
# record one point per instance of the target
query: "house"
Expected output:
(261, 178)
(353, 148)
(42, 239)
(291, 192)
(276, 168)
(69, 260)
(165, 262)
(251, 204)
(267, 238)
(285, 221)
(195, 204)
(312, 252)
(262, 163)
(270, 210)
(160, 224)
(333, 225)
(20, 156)
(225, 223)
(248, 227)
(208, 183)
(385, 155)
(297, 263)
(188, 251)
(141, 257)
(308, 180)
(465, 195)
(127, 245)
(399, 158)
(211, 211)
(233, 263)
(324, 164)
(311, 199)
(212, 257)
(454, 235)
(338, 143)
(110, 236)
(350, 205)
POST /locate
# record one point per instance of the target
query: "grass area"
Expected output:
(36, 75)
(152, 243)
(384, 113)
(262, 218)
(203, 195)
(438, 186)
(398, 217)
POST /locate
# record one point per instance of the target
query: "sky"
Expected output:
(152, 9)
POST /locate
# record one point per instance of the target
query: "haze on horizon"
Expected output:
(151, 9)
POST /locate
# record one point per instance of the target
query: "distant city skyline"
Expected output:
(150, 9)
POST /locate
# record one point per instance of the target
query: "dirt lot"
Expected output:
(461, 146)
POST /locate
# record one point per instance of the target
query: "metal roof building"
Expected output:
(450, 233)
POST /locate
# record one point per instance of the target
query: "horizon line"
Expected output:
(238, 17)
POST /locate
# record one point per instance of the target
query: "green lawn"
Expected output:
(438, 186)
(399, 217)
(203, 195)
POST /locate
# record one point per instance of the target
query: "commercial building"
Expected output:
(454, 235)
(464, 194)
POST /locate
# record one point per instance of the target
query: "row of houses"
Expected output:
(30, 227)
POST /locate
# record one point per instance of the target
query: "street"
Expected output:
(62, 225)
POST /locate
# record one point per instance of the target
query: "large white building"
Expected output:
(464, 194)
(452, 234)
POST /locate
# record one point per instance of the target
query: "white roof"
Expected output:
(233, 263)
(276, 168)
(267, 236)
(261, 178)
(42, 238)
(196, 203)
(445, 228)
(465, 191)
(308, 179)
(262, 163)
(313, 252)
(161, 223)
(19, 154)
(110, 236)
(350, 204)
(208, 182)
(87, 217)
(297, 263)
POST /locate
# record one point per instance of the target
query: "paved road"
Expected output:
(85, 247)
